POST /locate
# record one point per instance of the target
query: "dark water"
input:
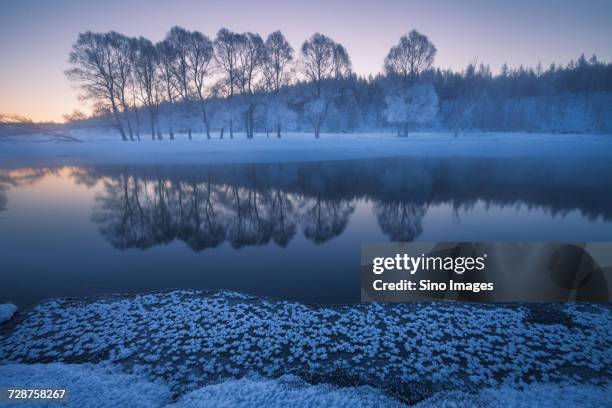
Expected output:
(289, 231)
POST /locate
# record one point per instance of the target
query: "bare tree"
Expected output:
(15, 125)
(179, 39)
(227, 45)
(200, 59)
(94, 68)
(251, 55)
(119, 46)
(277, 73)
(146, 69)
(165, 54)
(408, 59)
(323, 60)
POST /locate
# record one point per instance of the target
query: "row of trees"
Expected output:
(228, 78)
(239, 81)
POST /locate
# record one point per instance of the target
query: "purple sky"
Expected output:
(36, 36)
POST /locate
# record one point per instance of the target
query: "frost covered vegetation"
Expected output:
(238, 82)
(6, 311)
(412, 352)
(102, 386)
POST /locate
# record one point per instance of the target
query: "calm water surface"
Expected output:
(289, 231)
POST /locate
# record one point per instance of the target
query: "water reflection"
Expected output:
(145, 209)
(291, 231)
(10, 179)
(252, 205)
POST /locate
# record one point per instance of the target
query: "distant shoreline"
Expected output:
(107, 148)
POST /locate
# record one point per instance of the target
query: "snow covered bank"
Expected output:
(411, 351)
(102, 385)
(87, 385)
(106, 148)
(7, 310)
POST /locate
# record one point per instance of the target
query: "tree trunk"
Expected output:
(252, 120)
(152, 125)
(137, 123)
(222, 130)
(247, 123)
(278, 130)
(206, 124)
(157, 126)
(126, 113)
(118, 121)
(231, 128)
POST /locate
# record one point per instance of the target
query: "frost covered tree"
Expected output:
(200, 54)
(277, 73)
(277, 112)
(415, 105)
(251, 56)
(120, 50)
(227, 47)
(165, 53)
(100, 66)
(178, 40)
(147, 78)
(324, 62)
(410, 57)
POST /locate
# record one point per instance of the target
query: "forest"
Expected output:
(189, 84)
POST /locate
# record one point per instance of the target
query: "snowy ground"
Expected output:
(6, 311)
(186, 342)
(104, 147)
(103, 385)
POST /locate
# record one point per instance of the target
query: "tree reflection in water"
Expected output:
(400, 221)
(252, 205)
(12, 178)
(134, 211)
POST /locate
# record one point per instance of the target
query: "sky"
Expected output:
(36, 36)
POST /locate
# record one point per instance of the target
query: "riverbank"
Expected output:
(409, 352)
(104, 147)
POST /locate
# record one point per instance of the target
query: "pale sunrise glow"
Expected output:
(36, 37)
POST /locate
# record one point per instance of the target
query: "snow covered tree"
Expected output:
(147, 78)
(408, 59)
(275, 112)
(323, 62)
(200, 54)
(178, 39)
(277, 73)
(251, 56)
(165, 53)
(415, 105)
(227, 47)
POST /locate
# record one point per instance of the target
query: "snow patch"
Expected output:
(191, 339)
(104, 385)
(7, 310)
(99, 386)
